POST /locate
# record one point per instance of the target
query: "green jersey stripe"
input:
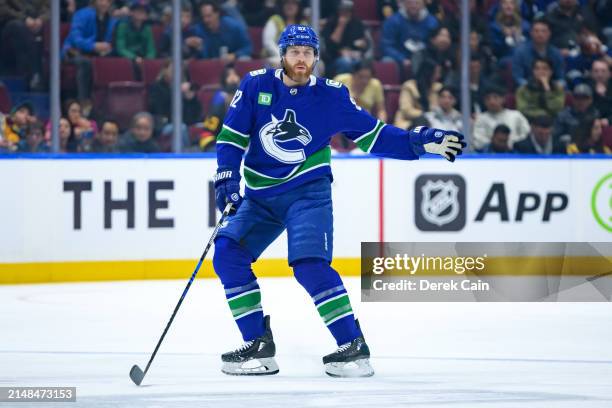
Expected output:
(366, 141)
(236, 132)
(229, 136)
(255, 180)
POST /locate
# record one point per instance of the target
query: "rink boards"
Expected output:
(106, 218)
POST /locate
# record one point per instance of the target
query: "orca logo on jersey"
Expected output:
(278, 136)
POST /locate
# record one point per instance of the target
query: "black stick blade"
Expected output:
(136, 375)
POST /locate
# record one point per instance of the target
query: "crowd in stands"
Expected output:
(540, 70)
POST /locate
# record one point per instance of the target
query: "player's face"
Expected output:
(299, 62)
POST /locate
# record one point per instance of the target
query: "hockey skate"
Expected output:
(349, 360)
(255, 357)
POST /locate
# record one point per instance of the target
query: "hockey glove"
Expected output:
(227, 188)
(447, 143)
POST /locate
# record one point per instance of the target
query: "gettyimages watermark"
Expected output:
(486, 271)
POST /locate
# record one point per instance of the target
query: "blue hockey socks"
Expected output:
(232, 264)
(325, 287)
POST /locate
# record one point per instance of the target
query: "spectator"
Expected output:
(21, 39)
(508, 30)
(581, 111)
(230, 80)
(566, 22)
(365, 89)
(386, 8)
(479, 46)
(20, 116)
(539, 140)
(3, 141)
(120, 9)
(478, 18)
(601, 83)
(223, 36)
(255, 12)
(192, 42)
(33, 141)
(479, 82)
(445, 116)
(83, 128)
(139, 139)
(499, 141)
(591, 49)
(439, 48)
(345, 39)
(537, 47)
(289, 12)
(603, 13)
(68, 142)
(540, 96)
(67, 9)
(419, 95)
(106, 139)
(91, 34)
(160, 101)
(497, 114)
(406, 32)
(586, 138)
(134, 39)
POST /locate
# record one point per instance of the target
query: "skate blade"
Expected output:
(261, 366)
(352, 369)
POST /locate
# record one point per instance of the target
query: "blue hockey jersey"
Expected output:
(285, 131)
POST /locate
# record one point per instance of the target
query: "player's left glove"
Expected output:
(447, 143)
(227, 188)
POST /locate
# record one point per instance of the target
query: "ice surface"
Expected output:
(425, 354)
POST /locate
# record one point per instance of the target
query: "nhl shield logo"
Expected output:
(440, 202)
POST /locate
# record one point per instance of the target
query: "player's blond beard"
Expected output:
(297, 77)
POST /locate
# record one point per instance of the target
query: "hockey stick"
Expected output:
(136, 374)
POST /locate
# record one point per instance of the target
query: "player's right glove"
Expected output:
(227, 188)
(447, 143)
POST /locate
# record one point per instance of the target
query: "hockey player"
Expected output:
(283, 119)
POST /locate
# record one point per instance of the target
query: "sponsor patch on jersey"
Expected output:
(264, 98)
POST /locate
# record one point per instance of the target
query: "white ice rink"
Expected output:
(455, 355)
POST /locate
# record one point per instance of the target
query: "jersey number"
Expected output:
(236, 98)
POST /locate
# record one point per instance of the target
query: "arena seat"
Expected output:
(5, 99)
(158, 31)
(111, 69)
(206, 71)
(365, 9)
(151, 69)
(124, 100)
(205, 95)
(392, 94)
(255, 34)
(243, 67)
(606, 136)
(387, 72)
